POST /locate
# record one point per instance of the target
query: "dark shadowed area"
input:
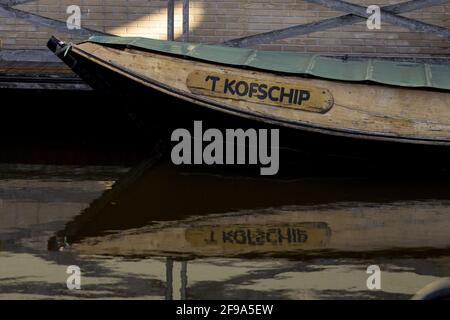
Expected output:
(83, 184)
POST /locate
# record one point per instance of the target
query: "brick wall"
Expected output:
(214, 21)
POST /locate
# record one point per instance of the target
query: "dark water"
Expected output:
(160, 232)
(140, 228)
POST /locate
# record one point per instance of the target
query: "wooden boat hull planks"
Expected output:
(368, 111)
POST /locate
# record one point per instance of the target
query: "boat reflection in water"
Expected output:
(342, 229)
(334, 227)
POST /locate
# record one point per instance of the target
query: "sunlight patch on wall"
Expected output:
(154, 25)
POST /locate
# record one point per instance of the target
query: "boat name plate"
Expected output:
(298, 94)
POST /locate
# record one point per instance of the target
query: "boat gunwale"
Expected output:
(289, 75)
(344, 58)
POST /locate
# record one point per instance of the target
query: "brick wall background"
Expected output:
(214, 21)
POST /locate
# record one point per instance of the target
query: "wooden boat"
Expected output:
(375, 99)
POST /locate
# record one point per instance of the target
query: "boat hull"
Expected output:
(160, 107)
(333, 107)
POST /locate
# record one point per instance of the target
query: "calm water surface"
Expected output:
(157, 232)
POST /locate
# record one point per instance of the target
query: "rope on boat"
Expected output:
(63, 48)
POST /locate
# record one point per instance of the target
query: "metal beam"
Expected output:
(322, 25)
(46, 22)
(185, 37)
(386, 16)
(184, 280)
(293, 31)
(170, 19)
(34, 55)
(11, 3)
(413, 5)
(169, 278)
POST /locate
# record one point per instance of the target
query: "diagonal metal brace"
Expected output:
(344, 20)
(7, 11)
(386, 16)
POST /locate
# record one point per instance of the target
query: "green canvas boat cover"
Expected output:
(398, 73)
